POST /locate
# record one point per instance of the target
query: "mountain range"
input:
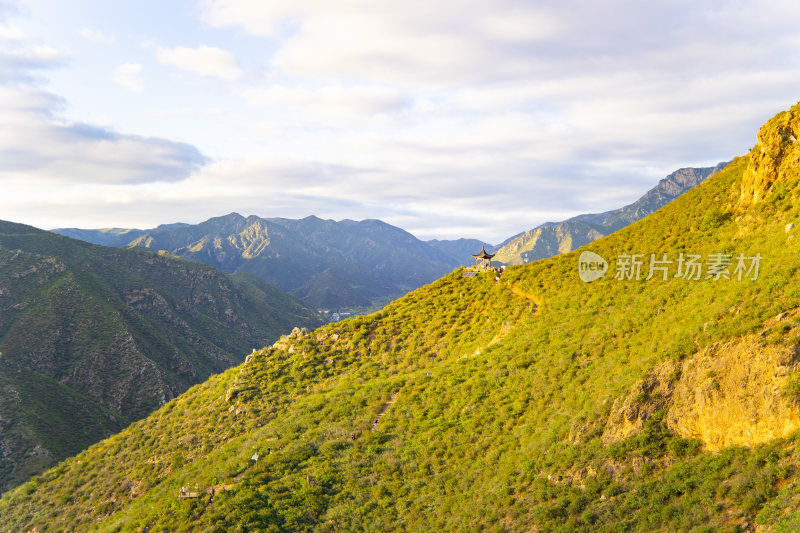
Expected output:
(555, 238)
(325, 263)
(92, 338)
(348, 264)
(662, 396)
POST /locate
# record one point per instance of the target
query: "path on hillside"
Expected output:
(535, 300)
(523, 294)
(508, 326)
(385, 408)
(505, 329)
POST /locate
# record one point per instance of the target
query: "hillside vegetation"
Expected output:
(92, 338)
(531, 402)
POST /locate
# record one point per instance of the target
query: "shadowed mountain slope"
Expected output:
(325, 263)
(92, 338)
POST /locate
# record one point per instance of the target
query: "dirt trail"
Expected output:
(505, 329)
(536, 301)
(385, 408)
(527, 295)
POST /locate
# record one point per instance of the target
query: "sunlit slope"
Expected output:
(477, 404)
(342, 382)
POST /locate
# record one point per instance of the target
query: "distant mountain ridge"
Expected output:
(325, 263)
(344, 264)
(92, 338)
(116, 237)
(553, 238)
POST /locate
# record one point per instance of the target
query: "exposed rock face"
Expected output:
(649, 395)
(736, 397)
(776, 156)
(726, 395)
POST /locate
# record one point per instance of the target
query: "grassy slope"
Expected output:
(485, 390)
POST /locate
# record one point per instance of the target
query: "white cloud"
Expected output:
(413, 41)
(39, 147)
(21, 64)
(96, 36)
(129, 77)
(10, 33)
(451, 43)
(42, 150)
(332, 100)
(203, 60)
(23, 57)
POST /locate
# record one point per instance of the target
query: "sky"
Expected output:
(450, 119)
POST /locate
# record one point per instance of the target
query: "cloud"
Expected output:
(128, 76)
(37, 146)
(203, 60)
(43, 150)
(19, 61)
(334, 100)
(414, 41)
(96, 36)
(447, 43)
(10, 33)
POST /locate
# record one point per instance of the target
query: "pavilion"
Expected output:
(484, 258)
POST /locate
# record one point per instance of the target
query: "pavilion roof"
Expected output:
(482, 254)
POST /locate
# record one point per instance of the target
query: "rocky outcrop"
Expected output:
(775, 158)
(649, 395)
(730, 394)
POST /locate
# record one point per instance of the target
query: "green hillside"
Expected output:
(92, 338)
(532, 402)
